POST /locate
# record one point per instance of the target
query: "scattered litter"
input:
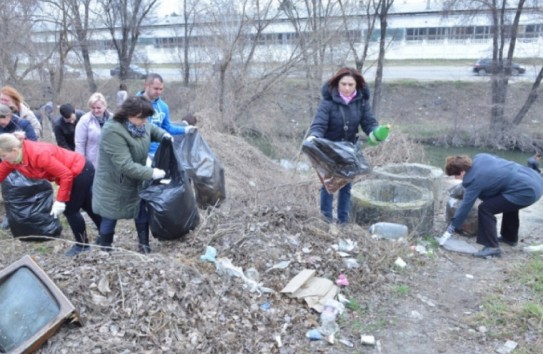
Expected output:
(346, 245)
(314, 290)
(389, 230)
(367, 340)
(307, 250)
(533, 248)
(469, 276)
(280, 265)
(421, 249)
(278, 341)
(313, 334)
(224, 266)
(346, 342)
(342, 280)
(400, 263)
(265, 306)
(351, 263)
(330, 311)
(210, 255)
(508, 347)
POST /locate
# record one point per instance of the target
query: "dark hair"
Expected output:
(346, 71)
(123, 87)
(455, 165)
(135, 106)
(190, 119)
(151, 77)
(66, 110)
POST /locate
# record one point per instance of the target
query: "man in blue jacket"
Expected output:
(504, 187)
(154, 86)
(11, 123)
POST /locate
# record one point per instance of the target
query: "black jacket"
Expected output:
(65, 132)
(330, 123)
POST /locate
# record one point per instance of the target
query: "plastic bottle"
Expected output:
(378, 134)
(389, 230)
(329, 314)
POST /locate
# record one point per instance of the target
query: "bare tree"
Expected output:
(504, 17)
(316, 24)
(123, 19)
(19, 54)
(382, 8)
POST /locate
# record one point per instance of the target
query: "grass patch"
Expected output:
(520, 318)
(402, 290)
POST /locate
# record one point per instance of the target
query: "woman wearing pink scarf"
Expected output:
(344, 107)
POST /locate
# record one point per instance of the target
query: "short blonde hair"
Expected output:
(96, 97)
(8, 142)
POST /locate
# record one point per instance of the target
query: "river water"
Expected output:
(436, 155)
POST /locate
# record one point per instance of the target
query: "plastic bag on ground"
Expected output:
(28, 205)
(170, 202)
(336, 162)
(203, 168)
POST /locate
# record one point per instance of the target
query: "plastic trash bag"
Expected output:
(203, 168)
(28, 204)
(336, 162)
(170, 201)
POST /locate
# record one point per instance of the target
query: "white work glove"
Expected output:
(446, 235)
(57, 209)
(158, 173)
(167, 136)
(189, 129)
(310, 138)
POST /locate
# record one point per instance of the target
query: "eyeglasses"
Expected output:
(3, 116)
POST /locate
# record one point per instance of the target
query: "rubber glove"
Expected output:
(189, 129)
(158, 173)
(446, 235)
(57, 209)
(379, 134)
(310, 138)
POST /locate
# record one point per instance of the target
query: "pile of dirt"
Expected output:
(171, 301)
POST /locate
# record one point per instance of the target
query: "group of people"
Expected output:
(504, 186)
(99, 162)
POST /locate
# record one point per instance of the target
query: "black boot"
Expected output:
(105, 241)
(143, 238)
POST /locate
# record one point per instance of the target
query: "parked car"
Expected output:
(134, 72)
(69, 72)
(486, 66)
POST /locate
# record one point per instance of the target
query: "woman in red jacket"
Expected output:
(70, 170)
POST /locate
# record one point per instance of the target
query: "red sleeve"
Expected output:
(5, 170)
(63, 175)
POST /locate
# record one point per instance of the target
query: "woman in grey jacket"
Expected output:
(124, 146)
(504, 187)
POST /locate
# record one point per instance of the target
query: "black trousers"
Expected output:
(487, 233)
(81, 198)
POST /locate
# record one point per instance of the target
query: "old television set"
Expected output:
(32, 307)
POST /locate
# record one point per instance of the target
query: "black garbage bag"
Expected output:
(203, 168)
(336, 162)
(170, 202)
(28, 204)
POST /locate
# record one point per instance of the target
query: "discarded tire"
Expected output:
(420, 175)
(378, 200)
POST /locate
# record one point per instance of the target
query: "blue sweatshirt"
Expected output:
(161, 119)
(490, 176)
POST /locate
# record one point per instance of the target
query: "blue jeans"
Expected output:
(107, 226)
(343, 204)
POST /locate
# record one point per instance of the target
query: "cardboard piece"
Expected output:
(313, 290)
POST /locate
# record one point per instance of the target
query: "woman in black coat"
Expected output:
(344, 107)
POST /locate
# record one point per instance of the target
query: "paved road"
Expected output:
(391, 73)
